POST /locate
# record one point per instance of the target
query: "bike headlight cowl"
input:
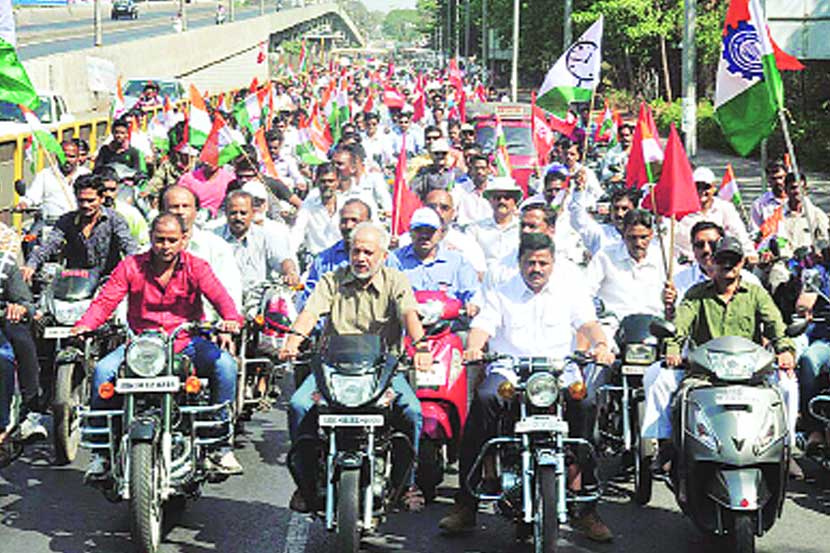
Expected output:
(542, 390)
(146, 356)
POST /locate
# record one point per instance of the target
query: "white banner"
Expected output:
(7, 22)
(100, 74)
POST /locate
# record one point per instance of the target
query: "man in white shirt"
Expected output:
(597, 236)
(536, 313)
(316, 226)
(51, 190)
(468, 194)
(414, 136)
(499, 234)
(454, 238)
(573, 159)
(378, 144)
(767, 203)
(285, 164)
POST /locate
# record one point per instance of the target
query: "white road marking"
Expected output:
(297, 535)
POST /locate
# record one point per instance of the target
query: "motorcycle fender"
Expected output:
(436, 421)
(545, 458)
(68, 355)
(739, 489)
(348, 461)
(143, 430)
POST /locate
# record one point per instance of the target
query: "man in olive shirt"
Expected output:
(364, 297)
(726, 305)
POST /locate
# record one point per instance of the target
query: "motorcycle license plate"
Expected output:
(634, 370)
(158, 385)
(351, 420)
(541, 423)
(437, 376)
(55, 332)
(733, 396)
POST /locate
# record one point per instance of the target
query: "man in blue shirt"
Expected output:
(430, 265)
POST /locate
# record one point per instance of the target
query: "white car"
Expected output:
(172, 88)
(52, 112)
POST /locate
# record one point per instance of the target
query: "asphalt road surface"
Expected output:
(76, 33)
(45, 509)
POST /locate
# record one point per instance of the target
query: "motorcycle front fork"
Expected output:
(368, 498)
(544, 458)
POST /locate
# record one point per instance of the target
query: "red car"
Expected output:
(515, 120)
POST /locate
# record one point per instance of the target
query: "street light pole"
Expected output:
(448, 39)
(689, 75)
(567, 32)
(466, 29)
(261, 7)
(484, 34)
(514, 74)
(97, 25)
(231, 10)
(183, 12)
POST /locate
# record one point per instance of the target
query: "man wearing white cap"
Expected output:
(430, 265)
(499, 235)
(256, 188)
(715, 210)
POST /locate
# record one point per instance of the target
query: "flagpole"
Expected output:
(790, 149)
(588, 125)
(659, 228)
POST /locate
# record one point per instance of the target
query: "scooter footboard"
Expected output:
(739, 489)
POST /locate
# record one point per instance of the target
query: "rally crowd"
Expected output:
(359, 185)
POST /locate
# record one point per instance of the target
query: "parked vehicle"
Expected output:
(157, 442)
(52, 112)
(168, 88)
(729, 475)
(516, 122)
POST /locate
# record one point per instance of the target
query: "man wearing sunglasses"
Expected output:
(438, 176)
(499, 235)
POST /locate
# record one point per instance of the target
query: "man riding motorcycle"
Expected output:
(364, 298)
(164, 288)
(536, 313)
(51, 190)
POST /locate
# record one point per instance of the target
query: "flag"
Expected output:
(313, 141)
(480, 94)
(160, 125)
(543, 137)
(264, 154)
(566, 126)
(220, 147)
(419, 106)
(119, 105)
(370, 102)
(606, 126)
(749, 93)
(503, 168)
(248, 112)
(575, 74)
(198, 121)
(729, 187)
(393, 99)
(769, 228)
(15, 86)
(337, 111)
(40, 136)
(302, 65)
(404, 200)
(646, 155)
(675, 194)
(260, 55)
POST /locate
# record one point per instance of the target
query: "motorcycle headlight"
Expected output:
(146, 356)
(69, 312)
(542, 389)
(700, 428)
(351, 390)
(640, 354)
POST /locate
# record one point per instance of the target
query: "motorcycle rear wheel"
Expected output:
(146, 513)
(546, 521)
(68, 396)
(347, 537)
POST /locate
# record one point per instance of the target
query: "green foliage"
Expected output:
(291, 47)
(402, 25)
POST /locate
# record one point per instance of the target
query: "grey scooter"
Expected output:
(730, 431)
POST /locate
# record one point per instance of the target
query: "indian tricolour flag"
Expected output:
(198, 120)
(248, 113)
(220, 146)
(606, 126)
(160, 125)
(503, 168)
(575, 74)
(748, 93)
(302, 65)
(729, 187)
(119, 105)
(313, 141)
(42, 137)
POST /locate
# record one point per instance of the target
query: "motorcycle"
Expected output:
(355, 447)
(221, 15)
(157, 442)
(534, 452)
(730, 432)
(621, 403)
(269, 310)
(442, 391)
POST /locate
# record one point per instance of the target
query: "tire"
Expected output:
(545, 520)
(642, 462)
(743, 534)
(69, 394)
(347, 537)
(429, 468)
(145, 498)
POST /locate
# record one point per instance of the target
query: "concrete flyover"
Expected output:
(189, 55)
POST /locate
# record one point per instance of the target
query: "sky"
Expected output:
(386, 5)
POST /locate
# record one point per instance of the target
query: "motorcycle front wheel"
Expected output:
(743, 534)
(545, 520)
(145, 497)
(69, 394)
(347, 538)
(642, 462)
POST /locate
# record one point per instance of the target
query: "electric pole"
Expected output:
(689, 75)
(97, 25)
(567, 34)
(514, 74)
(183, 13)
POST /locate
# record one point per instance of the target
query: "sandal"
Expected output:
(413, 500)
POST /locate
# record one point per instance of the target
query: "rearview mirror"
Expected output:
(662, 329)
(20, 187)
(796, 328)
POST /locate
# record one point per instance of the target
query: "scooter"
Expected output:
(730, 432)
(442, 391)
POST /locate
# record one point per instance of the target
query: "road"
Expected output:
(74, 32)
(44, 509)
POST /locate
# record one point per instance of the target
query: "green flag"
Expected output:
(15, 86)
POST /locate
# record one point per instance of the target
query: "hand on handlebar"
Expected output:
(786, 362)
(78, 330)
(27, 273)
(422, 361)
(229, 326)
(15, 312)
(602, 355)
(673, 360)
(473, 355)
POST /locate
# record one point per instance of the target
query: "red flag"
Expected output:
(404, 201)
(543, 137)
(481, 94)
(461, 100)
(393, 99)
(565, 127)
(260, 56)
(264, 154)
(254, 85)
(419, 106)
(675, 194)
(646, 152)
(370, 102)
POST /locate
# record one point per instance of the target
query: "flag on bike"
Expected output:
(675, 195)
(503, 168)
(749, 93)
(646, 155)
(40, 136)
(769, 228)
(199, 125)
(15, 86)
(313, 141)
(404, 200)
(543, 137)
(575, 75)
(220, 147)
(729, 187)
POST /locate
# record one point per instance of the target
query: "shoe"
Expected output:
(97, 468)
(795, 471)
(226, 463)
(32, 428)
(298, 503)
(461, 518)
(592, 527)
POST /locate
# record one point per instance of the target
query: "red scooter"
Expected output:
(442, 391)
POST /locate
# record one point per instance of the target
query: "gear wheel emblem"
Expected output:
(742, 51)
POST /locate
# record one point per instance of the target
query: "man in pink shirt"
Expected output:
(209, 184)
(164, 287)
